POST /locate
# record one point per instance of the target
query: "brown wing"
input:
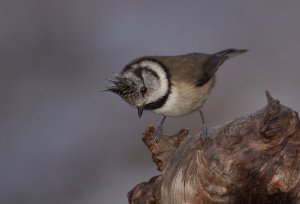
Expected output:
(189, 68)
(197, 68)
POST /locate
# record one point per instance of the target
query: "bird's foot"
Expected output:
(204, 130)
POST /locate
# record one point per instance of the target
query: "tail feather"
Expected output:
(230, 52)
(215, 61)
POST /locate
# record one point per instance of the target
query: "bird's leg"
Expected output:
(204, 129)
(159, 130)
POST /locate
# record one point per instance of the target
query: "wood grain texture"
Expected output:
(254, 159)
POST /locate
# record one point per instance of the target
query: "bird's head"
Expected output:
(141, 84)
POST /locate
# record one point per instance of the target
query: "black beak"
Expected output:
(140, 111)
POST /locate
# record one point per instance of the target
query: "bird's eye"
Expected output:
(143, 90)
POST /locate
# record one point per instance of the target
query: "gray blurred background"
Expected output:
(64, 142)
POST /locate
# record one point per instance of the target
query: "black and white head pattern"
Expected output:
(145, 83)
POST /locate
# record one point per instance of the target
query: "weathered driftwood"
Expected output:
(255, 159)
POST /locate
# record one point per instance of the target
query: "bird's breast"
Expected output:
(185, 98)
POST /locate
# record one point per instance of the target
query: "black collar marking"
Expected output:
(158, 103)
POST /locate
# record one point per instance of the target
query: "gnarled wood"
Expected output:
(255, 159)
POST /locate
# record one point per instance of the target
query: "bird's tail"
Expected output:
(230, 53)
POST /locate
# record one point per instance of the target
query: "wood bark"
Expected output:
(253, 159)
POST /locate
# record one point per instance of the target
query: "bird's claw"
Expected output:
(204, 130)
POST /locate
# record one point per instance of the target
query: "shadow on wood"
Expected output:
(254, 159)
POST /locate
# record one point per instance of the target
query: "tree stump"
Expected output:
(254, 159)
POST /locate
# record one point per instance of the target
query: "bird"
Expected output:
(175, 85)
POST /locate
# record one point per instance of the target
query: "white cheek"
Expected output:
(162, 87)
